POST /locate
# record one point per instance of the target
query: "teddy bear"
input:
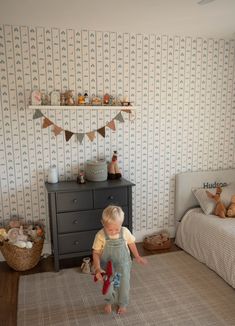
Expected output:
(231, 208)
(220, 209)
(69, 98)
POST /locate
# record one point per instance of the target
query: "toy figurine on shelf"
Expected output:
(86, 99)
(46, 99)
(80, 178)
(125, 101)
(96, 101)
(106, 99)
(113, 169)
(81, 99)
(69, 98)
(111, 100)
(62, 99)
(36, 98)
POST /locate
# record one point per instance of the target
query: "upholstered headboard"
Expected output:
(184, 198)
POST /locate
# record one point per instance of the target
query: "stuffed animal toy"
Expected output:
(106, 277)
(220, 209)
(231, 208)
(86, 265)
(69, 100)
(113, 169)
(18, 238)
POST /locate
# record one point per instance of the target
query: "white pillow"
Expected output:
(207, 204)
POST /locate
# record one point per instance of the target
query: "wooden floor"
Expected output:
(9, 280)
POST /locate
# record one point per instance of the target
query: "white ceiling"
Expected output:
(172, 17)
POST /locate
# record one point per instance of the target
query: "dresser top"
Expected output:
(68, 186)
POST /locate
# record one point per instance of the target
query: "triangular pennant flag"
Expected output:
(111, 125)
(91, 135)
(68, 135)
(46, 123)
(57, 130)
(101, 131)
(119, 117)
(80, 137)
(37, 114)
(126, 110)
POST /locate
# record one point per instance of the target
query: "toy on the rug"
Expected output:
(231, 208)
(86, 265)
(113, 169)
(106, 277)
(220, 209)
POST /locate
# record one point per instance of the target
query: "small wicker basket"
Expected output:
(22, 259)
(157, 241)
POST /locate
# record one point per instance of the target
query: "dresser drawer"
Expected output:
(76, 242)
(105, 197)
(67, 202)
(79, 221)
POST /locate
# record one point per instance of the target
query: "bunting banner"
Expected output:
(46, 122)
(101, 131)
(111, 125)
(68, 135)
(91, 135)
(57, 130)
(80, 136)
(119, 117)
(37, 114)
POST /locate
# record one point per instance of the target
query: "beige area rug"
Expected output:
(173, 289)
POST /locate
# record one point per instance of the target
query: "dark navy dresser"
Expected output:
(75, 212)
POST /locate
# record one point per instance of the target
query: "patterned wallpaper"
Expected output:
(184, 90)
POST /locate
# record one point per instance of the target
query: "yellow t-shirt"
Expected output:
(99, 241)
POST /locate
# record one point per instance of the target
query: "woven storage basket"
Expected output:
(153, 242)
(22, 259)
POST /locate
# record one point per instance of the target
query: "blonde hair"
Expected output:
(112, 214)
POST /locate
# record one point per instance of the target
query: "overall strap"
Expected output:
(106, 235)
(121, 233)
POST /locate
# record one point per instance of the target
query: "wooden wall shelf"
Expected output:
(81, 107)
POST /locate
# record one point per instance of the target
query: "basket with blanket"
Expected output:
(157, 241)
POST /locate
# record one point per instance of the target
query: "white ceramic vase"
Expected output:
(52, 175)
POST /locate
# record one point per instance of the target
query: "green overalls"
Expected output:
(116, 250)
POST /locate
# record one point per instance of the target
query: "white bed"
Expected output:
(208, 238)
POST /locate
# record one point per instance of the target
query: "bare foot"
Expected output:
(107, 308)
(121, 310)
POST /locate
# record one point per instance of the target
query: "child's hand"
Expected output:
(99, 277)
(141, 260)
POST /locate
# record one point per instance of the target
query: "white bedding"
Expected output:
(209, 239)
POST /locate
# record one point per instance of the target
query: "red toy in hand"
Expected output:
(106, 277)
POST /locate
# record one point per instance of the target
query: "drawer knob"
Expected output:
(75, 201)
(111, 197)
(76, 243)
(75, 222)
